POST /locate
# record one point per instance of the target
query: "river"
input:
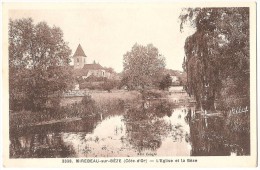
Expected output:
(182, 132)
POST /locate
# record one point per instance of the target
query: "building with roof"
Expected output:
(84, 70)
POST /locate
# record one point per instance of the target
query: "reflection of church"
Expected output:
(84, 70)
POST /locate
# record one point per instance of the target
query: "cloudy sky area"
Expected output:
(107, 32)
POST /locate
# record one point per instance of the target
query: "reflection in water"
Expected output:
(152, 133)
(206, 137)
(47, 140)
(209, 136)
(158, 130)
(40, 145)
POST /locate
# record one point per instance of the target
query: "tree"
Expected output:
(143, 67)
(216, 52)
(38, 64)
(110, 70)
(166, 82)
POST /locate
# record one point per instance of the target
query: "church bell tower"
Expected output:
(79, 58)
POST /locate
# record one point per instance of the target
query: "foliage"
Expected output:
(86, 100)
(93, 78)
(38, 64)
(166, 82)
(154, 94)
(91, 85)
(108, 85)
(216, 52)
(89, 105)
(110, 70)
(143, 67)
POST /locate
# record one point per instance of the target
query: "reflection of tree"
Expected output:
(162, 108)
(238, 132)
(146, 134)
(210, 137)
(207, 138)
(46, 141)
(145, 127)
(188, 116)
(40, 146)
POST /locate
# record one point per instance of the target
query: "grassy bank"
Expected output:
(97, 103)
(103, 97)
(78, 107)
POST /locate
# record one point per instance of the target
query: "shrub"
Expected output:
(109, 85)
(88, 105)
(87, 100)
(166, 82)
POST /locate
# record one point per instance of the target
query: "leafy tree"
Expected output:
(38, 64)
(143, 67)
(110, 69)
(166, 82)
(216, 52)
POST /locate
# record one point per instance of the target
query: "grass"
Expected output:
(121, 95)
(103, 97)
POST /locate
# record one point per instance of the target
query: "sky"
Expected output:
(107, 32)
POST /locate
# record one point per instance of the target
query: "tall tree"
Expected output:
(143, 67)
(38, 63)
(217, 53)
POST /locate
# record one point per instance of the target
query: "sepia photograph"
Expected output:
(152, 82)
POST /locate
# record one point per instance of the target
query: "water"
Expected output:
(182, 132)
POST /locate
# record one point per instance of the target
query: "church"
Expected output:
(84, 70)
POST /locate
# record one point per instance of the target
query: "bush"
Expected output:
(166, 82)
(88, 105)
(109, 85)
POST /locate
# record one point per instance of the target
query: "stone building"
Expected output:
(84, 70)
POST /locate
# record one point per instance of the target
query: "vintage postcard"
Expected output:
(129, 84)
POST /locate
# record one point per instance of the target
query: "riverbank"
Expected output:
(75, 108)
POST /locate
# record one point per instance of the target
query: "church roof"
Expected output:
(80, 72)
(87, 67)
(92, 67)
(79, 52)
